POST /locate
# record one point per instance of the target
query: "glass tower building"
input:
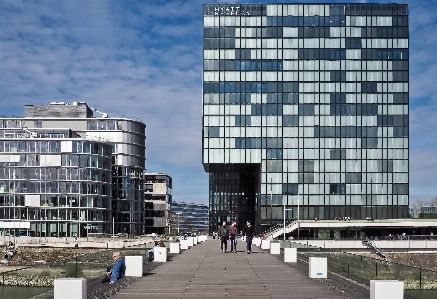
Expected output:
(305, 111)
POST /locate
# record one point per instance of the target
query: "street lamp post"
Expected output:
(178, 221)
(283, 201)
(298, 211)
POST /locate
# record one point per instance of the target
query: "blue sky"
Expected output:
(144, 59)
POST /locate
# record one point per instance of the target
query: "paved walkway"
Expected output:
(204, 272)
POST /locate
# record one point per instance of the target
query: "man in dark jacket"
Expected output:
(249, 232)
(223, 234)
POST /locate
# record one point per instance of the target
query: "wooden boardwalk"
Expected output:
(204, 272)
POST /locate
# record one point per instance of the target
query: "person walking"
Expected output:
(234, 237)
(249, 232)
(223, 234)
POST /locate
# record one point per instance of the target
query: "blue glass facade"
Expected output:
(305, 104)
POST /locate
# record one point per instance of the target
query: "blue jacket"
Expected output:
(117, 271)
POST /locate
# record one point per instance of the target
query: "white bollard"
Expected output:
(202, 238)
(256, 241)
(275, 248)
(290, 255)
(160, 254)
(184, 244)
(70, 288)
(318, 267)
(382, 289)
(174, 247)
(134, 266)
(265, 244)
(190, 241)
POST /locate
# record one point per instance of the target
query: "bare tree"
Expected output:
(417, 206)
(173, 221)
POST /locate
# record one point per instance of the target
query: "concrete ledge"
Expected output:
(384, 289)
(70, 288)
(134, 266)
(318, 267)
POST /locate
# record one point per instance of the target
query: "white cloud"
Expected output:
(144, 59)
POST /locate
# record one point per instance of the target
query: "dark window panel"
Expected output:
(400, 98)
(338, 98)
(306, 165)
(353, 43)
(306, 178)
(306, 109)
(369, 142)
(213, 132)
(290, 189)
(400, 189)
(274, 154)
(242, 121)
(337, 189)
(290, 121)
(337, 154)
(353, 178)
(290, 98)
(369, 87)
(337, 76)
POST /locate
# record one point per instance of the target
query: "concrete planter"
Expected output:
(318, 267)
(265, 244)
(70, 288)
(290, 255)
(175, 247)
(384, 289)
(134, 266)
(160, 254)
(275, 248)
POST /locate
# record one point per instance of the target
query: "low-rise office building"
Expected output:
(53, 183)
(126, 137)
(157, 202)
(190, 217)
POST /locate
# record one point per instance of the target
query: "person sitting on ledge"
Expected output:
(117, 271)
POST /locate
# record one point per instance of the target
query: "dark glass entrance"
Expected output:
(233, 194)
